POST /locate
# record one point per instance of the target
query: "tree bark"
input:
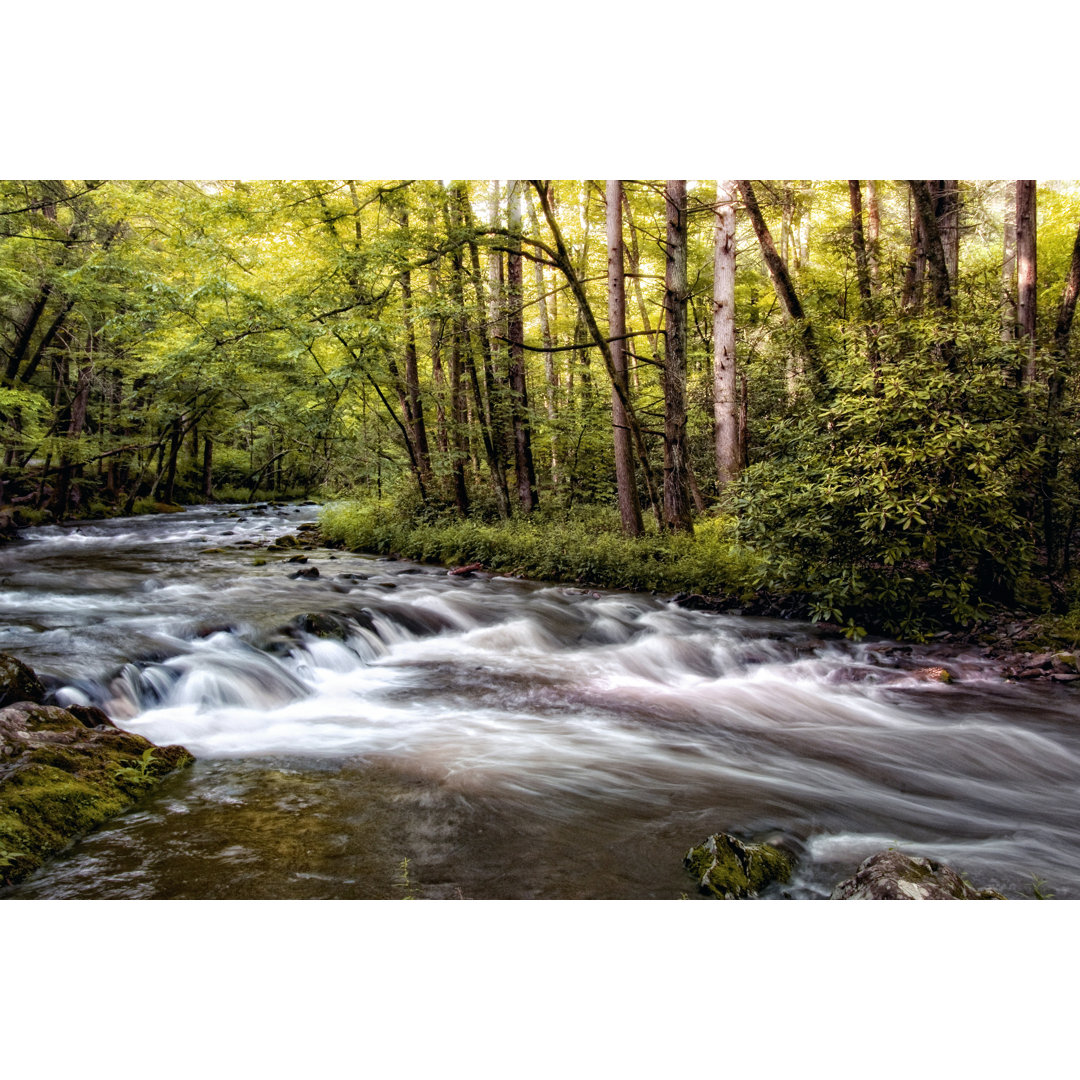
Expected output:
(934, 250)
(1008, 267)
(729, 454)
(677, 516)
(626, 486)
(523, 459)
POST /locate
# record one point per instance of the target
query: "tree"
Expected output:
(729, 446)
(629, 508)
(677, 516)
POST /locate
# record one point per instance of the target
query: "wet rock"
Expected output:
(323, 625)
(284, 543)
(18, 682)
(465, 571)
(90, 716)
(309, 573)
(297, 559)
(933, 674)
(61, 776)
(728, 869)
(892, 875)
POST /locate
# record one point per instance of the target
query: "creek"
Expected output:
(388, 730)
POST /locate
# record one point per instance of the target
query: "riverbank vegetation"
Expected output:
(860, 394)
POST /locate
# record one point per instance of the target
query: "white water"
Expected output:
(562, 714)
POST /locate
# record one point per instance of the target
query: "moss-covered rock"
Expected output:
(892, 875)
(18, 682)
(728, 869)
(61, 775)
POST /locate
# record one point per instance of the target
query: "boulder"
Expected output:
(62, 775)
(892, 875)
(18, 682)
(729, 869)
(309, 573)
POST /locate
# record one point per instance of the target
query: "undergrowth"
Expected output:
(585, 547)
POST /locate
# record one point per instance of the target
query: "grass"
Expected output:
(585, 547)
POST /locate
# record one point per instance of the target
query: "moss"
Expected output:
(63, 779)
(728, 869)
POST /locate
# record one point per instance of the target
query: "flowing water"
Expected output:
(388, 730)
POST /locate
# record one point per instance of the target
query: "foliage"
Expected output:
(903, 504)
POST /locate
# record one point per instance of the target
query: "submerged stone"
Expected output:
(892, 875)
(728, 869)
(18, 682)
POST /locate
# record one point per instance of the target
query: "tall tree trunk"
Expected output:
(175, 441)
(729, 454)
(946, 196)
(785, 291)
(498, 334)
(677, 514)
(629, 507)
(523, 459)
(551, 381)
(1026, 271)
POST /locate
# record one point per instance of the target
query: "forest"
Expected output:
(858, 395)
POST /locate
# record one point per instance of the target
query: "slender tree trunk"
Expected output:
(729, 455)
(629, 507)
(523, 459)
(1026, 270)
(498, 334)
(174, 453)
(438, 376)
(676, 290)
(412, 406)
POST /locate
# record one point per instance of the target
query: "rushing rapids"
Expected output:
(389, 730)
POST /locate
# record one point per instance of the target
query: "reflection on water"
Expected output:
(508, 739)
